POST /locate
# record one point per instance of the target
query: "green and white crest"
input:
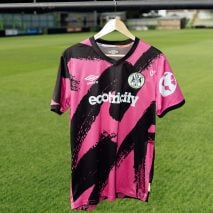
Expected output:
(136, 80)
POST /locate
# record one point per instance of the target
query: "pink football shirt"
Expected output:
(113, 90)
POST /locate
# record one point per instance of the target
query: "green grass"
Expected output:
(34, 142)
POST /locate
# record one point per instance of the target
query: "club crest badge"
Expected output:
(136, 80)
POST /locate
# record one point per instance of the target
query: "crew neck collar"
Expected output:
(118, 42)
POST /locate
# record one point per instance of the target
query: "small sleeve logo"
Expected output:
(74, 83)
(136, 80)
(167, 84)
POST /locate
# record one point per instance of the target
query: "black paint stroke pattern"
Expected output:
(94, 167)
(117, 111)
(81, 51)
(84, 116)
(113, 79)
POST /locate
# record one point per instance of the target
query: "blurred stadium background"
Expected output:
(49, 20)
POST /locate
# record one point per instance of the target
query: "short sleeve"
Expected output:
(60, 101)
(168, 93)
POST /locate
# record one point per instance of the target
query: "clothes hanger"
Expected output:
(112, 25)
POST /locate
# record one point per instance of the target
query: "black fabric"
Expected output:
(56, 109)
(96, 163)
(80, 51)
(62, 73)
(94, 167)
(112, 79)
(146, 59)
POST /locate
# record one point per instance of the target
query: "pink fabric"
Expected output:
(160, 86)
(65, 94)
(105, 122)
(164, 102)
(140, 49)
(98, 126)
(86, 42)
(73, 65)
(152, 129)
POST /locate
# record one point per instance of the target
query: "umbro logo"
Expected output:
(113, 52)
(91, 79)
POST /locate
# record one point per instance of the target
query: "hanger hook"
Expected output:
(115, 5)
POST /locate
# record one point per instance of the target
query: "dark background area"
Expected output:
(30, 1)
